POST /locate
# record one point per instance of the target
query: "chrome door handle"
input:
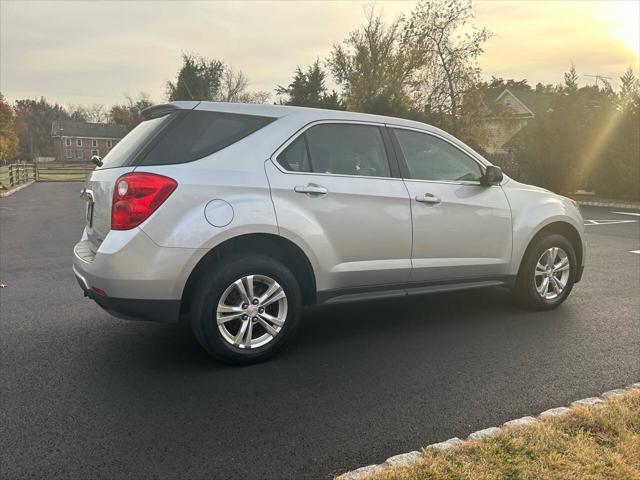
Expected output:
(428, 198)
(311, 188)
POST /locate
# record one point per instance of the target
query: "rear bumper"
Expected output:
(133, 278)
(165, 311)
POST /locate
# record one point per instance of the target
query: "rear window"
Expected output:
(126, 149)
(196, 134)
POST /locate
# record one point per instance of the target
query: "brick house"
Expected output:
(79, 141)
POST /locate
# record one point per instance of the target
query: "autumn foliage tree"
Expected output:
(32, 124)
(129, 114)
(374, 66)
(447, 46)
(8, 137)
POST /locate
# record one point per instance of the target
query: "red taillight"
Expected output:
(136, 196)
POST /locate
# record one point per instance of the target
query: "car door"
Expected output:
(461, 229)
(337, 195)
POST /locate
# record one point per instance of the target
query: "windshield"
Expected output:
(127, 148)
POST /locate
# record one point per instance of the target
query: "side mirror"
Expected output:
(492, 176)
(96, 160)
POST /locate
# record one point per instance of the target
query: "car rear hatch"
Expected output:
(122, 159)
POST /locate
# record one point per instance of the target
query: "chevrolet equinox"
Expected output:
(239, 215)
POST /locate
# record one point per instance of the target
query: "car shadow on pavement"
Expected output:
(338, 328)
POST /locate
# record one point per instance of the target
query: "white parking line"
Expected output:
(607, 222)
(635, 251)
(628, 213)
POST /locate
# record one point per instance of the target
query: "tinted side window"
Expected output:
(127, 148)
(198, 134)
(431, 158)
(347, 149)
(295, 157)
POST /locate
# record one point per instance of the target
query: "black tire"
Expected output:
(209, 292)
(525, 292)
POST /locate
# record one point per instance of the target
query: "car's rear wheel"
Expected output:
(547, 273)
(246, 309)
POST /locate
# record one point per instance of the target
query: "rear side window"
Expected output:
(341, 149)
(197, 134)
(296, 156)
(126, 149)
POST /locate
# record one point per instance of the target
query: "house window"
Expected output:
(78, 142)
(79, 153)
(68, 152)
(109, 143)
(67, 142)
(95, 152)
(94, 143)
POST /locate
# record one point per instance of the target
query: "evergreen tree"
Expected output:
(308, 89)
(199, 78)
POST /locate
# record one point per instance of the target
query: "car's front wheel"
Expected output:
(246, 309)
(547, 273)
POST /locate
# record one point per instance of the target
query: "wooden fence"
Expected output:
(61, 172)
(16, 174)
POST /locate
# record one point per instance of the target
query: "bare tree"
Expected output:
(234, 84)
(234, 88)
(448, 54)
(95, 113)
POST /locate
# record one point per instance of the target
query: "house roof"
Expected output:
(69, 128)
(536, 102)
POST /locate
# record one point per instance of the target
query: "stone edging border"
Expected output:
(629, 206)
(407, 458)
(14, 190)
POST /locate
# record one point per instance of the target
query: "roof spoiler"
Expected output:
(158, 110)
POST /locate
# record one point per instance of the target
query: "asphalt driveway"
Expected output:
(85, 395)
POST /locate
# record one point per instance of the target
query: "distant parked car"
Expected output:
(241, 214)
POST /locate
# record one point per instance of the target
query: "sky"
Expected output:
(98, 51)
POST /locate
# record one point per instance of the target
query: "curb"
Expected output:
(629, 206)
(8, 193)
(407, 458)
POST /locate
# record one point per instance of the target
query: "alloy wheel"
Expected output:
(251, 311)
(552, 273)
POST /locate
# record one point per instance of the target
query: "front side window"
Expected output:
(340, 149)
(431, 158)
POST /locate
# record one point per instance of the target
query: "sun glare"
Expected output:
(627, 15)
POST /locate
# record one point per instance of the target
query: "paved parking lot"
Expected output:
(84, 395)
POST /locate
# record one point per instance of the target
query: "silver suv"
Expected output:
(239, 215)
